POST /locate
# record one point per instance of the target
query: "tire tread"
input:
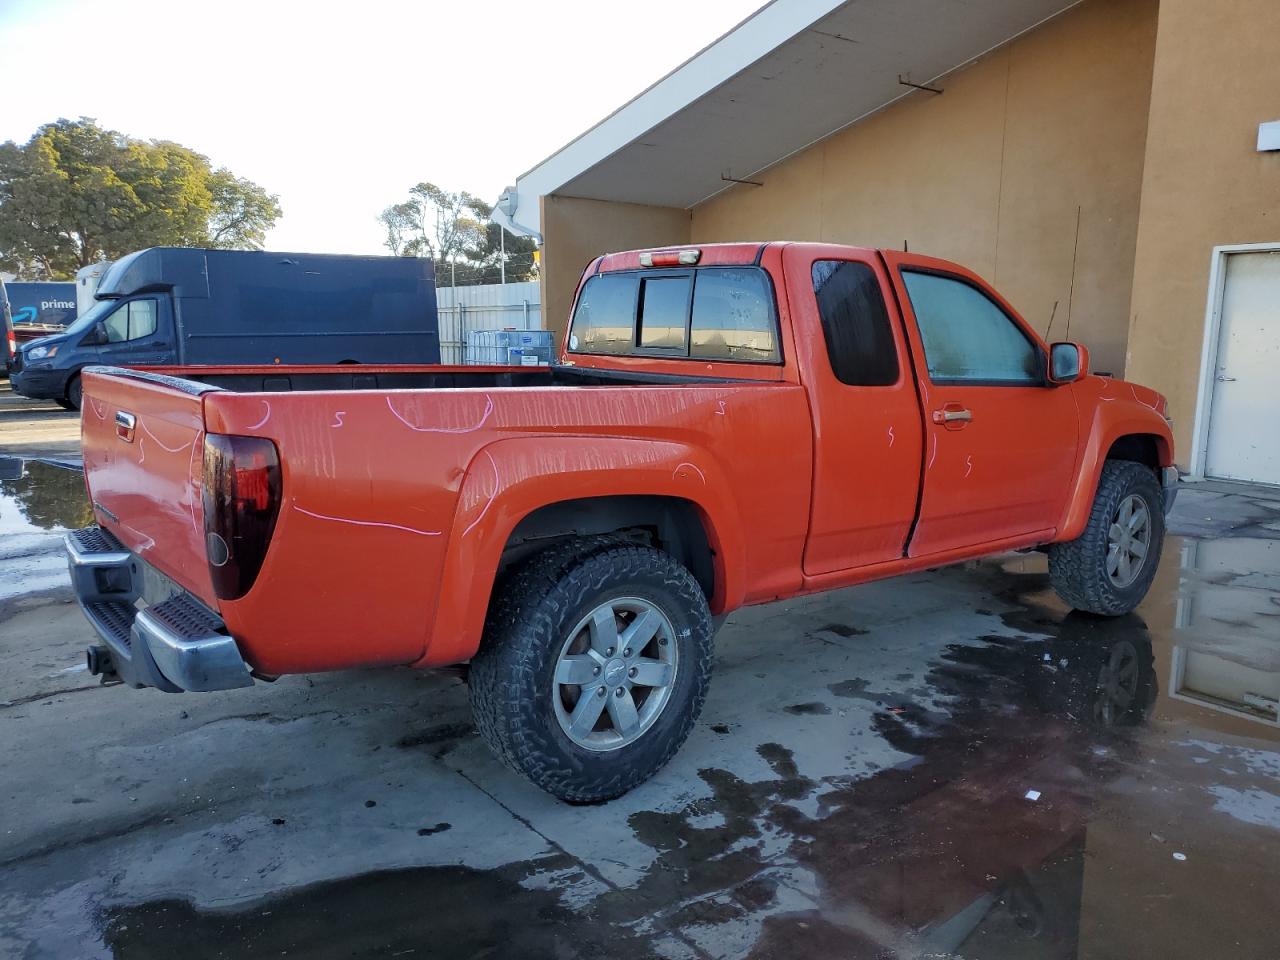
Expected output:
(523, 618)
(1077, 568)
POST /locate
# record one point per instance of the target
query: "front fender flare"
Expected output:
(509, 479)
(1108, 425)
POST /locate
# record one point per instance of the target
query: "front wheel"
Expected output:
(74, 396)
(1108, 569)
(594, 667)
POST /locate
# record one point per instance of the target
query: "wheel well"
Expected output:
(668, 523)
(1143, 448)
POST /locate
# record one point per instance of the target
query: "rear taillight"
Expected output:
(241, 502)
(13, 345)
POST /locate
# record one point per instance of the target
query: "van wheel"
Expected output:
(594, 667)
(1109, 568)
(75, 394)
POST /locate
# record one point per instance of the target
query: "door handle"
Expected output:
(952, 416)
(1226, 379)
(125, 423)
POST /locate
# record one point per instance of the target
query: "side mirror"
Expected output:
(1068, 362)
(100, 334)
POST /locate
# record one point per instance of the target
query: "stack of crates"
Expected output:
(516, 348)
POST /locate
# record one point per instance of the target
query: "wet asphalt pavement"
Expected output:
(944, 765)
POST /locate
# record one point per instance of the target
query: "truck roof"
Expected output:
(709, 254)
(185, 270)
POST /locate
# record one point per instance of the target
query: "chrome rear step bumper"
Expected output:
(173, 645)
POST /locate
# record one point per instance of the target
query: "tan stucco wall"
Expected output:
(576, 231)
(994, 174)
(1217, 76)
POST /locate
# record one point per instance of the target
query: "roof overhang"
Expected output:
(790, 75)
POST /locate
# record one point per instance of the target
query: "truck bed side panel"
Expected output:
(371, 484)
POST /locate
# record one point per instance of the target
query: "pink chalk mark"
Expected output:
(720, 412)
(147, 430)
(488, 410)
(497, 485)
(266, 415)
(98, 408)
(368, 523)
(891, 436)
(968, 465)
(1139, 399)
(337, 418)
(933, 455)
(196, 480)
(701, 476)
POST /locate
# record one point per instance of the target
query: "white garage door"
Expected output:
(1244, 426)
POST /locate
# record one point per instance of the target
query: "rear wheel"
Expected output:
(1109, 568)
(594, 667)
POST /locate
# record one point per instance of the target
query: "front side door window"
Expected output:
(131, 321)
(967, 337)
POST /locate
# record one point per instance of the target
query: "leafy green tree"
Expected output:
(242, 212)
(77, 193)
(456, 230)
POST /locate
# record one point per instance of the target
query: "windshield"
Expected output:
(91, 316)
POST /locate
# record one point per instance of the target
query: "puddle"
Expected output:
(38, 503)
(36, 496)
(1074, 786)
(440, 912)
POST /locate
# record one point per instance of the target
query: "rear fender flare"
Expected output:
(509, 479)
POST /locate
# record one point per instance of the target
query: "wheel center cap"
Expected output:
(614, 672)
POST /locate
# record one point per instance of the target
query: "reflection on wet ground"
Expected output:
(1056, 785)
(38, 502)
(40, 496)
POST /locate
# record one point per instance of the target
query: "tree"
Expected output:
(456, 230)
(77, 193)
(242, 212)
(403, 225)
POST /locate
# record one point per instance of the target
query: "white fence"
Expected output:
(489, 306)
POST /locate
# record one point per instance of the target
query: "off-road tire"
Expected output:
(1078, 569)
(512, 676)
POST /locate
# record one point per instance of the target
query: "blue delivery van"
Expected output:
(168, 305)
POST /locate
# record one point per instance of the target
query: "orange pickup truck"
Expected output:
(726, 425)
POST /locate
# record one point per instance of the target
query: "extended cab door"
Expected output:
(138, 333)
(1001, 442)
(866, 418)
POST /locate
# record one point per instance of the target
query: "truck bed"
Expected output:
(386, 472)
(340, 377)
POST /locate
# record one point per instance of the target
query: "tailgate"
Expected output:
(142, 435)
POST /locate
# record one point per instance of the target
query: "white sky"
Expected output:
(340, 108)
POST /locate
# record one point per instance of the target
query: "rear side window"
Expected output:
(967, 337)
(605, 320)
(855, 324)
(711, 313)
(733, 317)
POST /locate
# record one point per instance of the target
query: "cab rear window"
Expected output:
(708, 313)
